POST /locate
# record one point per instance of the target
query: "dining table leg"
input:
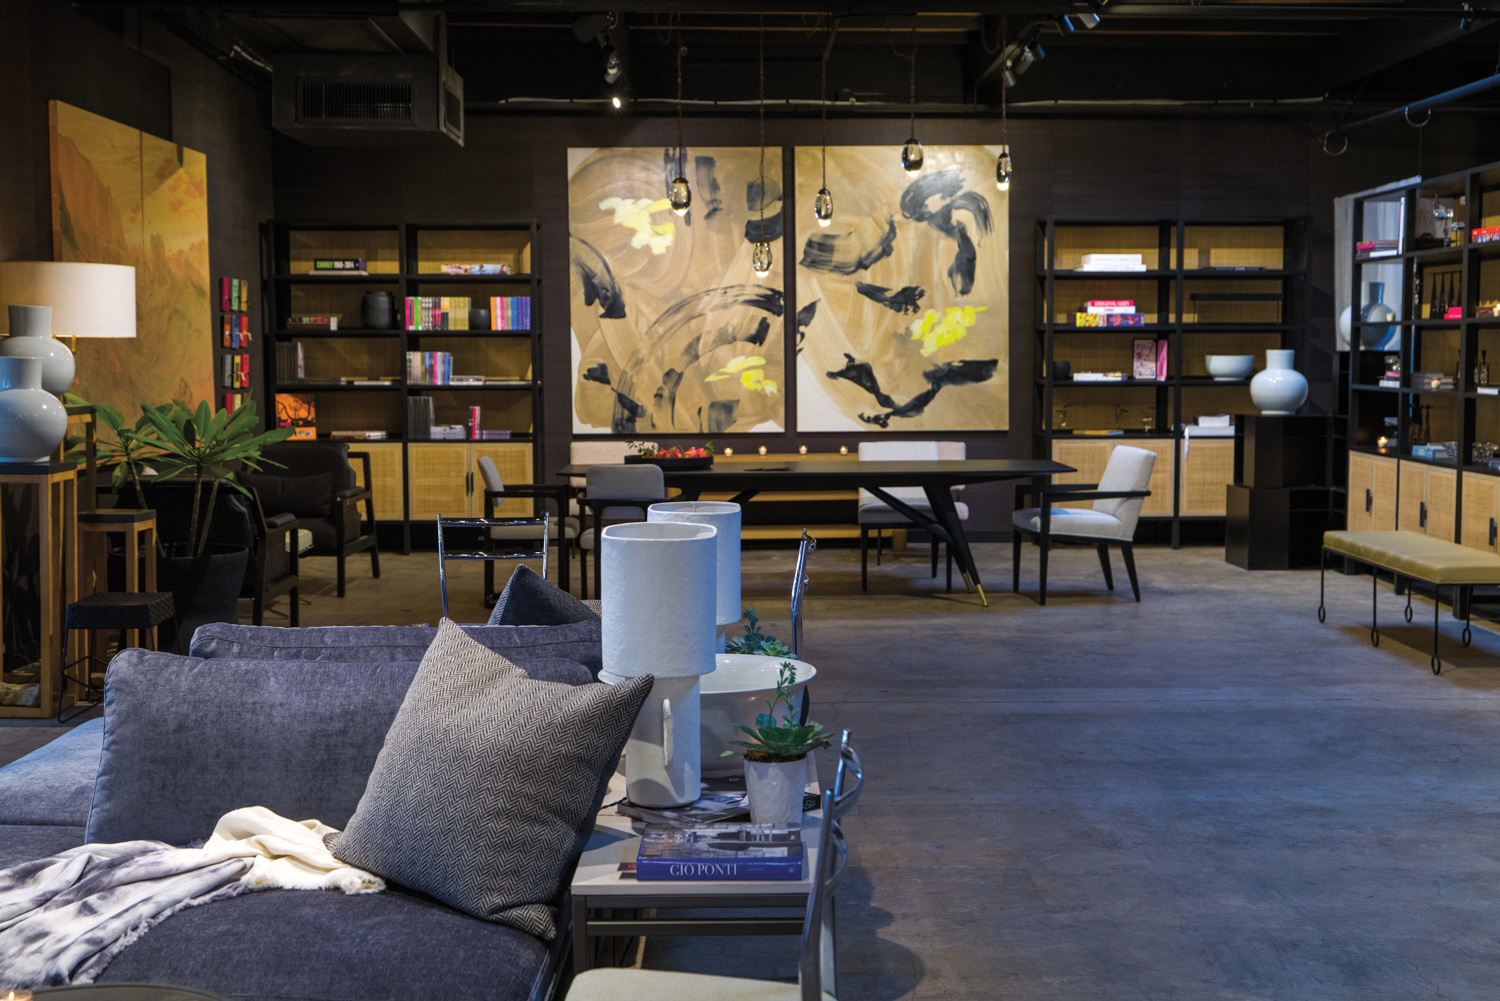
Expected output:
(940, 498)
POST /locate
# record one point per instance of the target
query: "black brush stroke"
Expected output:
(770, 227)
(762, 331)
(626, 410)
(706, 192)
(598, 279)
(804, 318)
(827, 251)
(953, 373)
(905, 300)
(720, 416)
(948, 185)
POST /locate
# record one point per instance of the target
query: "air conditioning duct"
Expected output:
(367, 100)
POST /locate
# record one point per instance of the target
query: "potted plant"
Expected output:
(776, 756)
(208, 447)
(125, 457)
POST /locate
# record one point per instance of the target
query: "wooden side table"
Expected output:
(56, 486)
(138, 527)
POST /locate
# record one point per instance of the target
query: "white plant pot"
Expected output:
(32, 421)
(736, 692)
(775, 790)
(1279, 388)
(31, 337)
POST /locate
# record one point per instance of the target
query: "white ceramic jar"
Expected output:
(31, 337)
(775, 789)
(32, 421)
(1279, 388)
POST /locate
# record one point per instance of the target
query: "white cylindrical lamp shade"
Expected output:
(657, 594)
(87, 300)
(725, 517)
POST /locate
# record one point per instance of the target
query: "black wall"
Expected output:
(136, 73)
(515, 167)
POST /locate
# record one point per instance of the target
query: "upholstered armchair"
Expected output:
(318, 486)
(1111, 521)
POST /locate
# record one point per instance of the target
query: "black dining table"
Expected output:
(746, 479)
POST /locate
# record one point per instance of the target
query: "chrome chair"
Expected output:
(541, 529)
(562, 534)
(800, 580)
(817, 968)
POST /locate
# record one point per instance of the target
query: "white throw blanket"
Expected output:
(62, 919)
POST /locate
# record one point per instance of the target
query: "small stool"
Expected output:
(137, 526)
(123, 610)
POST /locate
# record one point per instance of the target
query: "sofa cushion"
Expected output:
(486, 789)
(323, 946)
(24, 843)
(528, 600)
(577, 641)
(55, 783)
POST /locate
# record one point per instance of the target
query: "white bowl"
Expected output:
(736, 691)
(1229, 368)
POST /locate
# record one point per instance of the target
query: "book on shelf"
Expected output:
(742, 852)
(1431, 380)
(419, 418)
(340, 265)
(448, 432)
(1368, 249)
(510, 312)
(233, 401)
(1112, 262)
(1454, 313)
(437, 312)
(1098, 376)
(509, 383)
(298, 411)
(383, 381)
(1109, 319)
(466, 380)
(473, 423)
(1102, 306)
(234, 331)
(1484, 234)
(429, 368)
(1099, 432)
(486, 435)
(358, 435)
(1149, 359)
(329, 322)
(1236, 267)
(478, 269)
(1488, 390)
(289, 362)
(1391, 383)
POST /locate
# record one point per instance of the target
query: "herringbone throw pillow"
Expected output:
(488, 783)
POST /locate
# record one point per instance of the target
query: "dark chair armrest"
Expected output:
(350, 494)
(1022, 489)
(279, 521)
(1098, 495)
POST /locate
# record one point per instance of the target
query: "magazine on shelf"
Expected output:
(742, 852)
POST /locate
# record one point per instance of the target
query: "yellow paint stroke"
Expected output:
(953, 327)
(752, 373)
(636, 214)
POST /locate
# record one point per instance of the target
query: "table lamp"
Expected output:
(49, 299)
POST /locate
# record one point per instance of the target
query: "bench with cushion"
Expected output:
(1416, 557)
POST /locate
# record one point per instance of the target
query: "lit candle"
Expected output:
(1381, 441)
(843, 450)
(20, 994)
(801, 449)
(729, 451)
(763, 450)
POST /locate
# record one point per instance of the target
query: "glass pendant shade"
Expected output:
(911, 156)
(681, 196)
(1003, 169)
(823, 207)
(760, 259)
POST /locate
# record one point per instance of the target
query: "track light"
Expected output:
(1066, 24)
(1089, 20)
(612, 67)
(1024, 60)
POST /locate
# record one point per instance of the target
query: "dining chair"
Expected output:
(615, 493)
(877, 515)
(563, 530)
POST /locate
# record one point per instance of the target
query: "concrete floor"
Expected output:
(1208, 795)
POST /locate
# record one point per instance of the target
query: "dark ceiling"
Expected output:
(1330, 61)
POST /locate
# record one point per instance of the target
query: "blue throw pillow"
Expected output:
(528, 600)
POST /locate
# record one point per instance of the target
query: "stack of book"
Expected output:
(419, 418)
(234, 331)
(1485, 234)
(437, 312)
(491, 435)
(234, 371)
(510, 312)
(447, 432)
(1098, 376)
(1391, 379)
(739, 852)
(1431, 380)
(1367, 249)
(329, 322)
(478, 269)
(233, 401)
(340, 266)
(234, 295)
(430, 368)
(1112, 262)
(358, 435)
(289, 363)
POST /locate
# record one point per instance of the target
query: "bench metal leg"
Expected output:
(1322, 584)
(1374, 605)
(1408, 599)
(1437, 607)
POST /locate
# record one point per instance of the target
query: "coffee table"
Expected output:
(610, 905)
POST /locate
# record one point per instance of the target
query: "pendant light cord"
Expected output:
(1004, 94)
(914, 76)
(681, 154)
(762, 128)
(823, 108)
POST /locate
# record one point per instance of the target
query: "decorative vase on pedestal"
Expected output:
(31, 337)
(775, 789)
(658, 594)
(1279, 388)
(1375, 317)
(725, 517)
(32, 422)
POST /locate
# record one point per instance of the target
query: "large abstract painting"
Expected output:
(120, 196)
(902, 302)
(673, 332)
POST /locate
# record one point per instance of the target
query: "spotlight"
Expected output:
(612, 68)
(1023, 62)
(1089, 20)
(1066, 24)
(1010, 77)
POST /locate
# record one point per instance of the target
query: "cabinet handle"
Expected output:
(1492, 531)
(1369, 500)
(1422, 515)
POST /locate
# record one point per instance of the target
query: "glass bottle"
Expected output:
(1484, 368)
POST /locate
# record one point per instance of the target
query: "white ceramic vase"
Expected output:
(657, 589)
(31, 337)
(1279, 388)
(736, 692)
(32, 421)
(775, 790)
(725, 517)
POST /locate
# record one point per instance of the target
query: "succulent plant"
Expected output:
(755, 642)
(784, 741)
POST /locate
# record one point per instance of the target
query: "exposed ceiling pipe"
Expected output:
(1404, 112)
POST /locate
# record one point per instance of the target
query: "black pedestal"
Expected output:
(1278, 507)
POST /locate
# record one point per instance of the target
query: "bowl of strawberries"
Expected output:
(697, 457)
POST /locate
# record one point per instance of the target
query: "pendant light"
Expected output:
(1003, 167)
(911, 153)
(823, 203)
(760, 257)
(680, 195)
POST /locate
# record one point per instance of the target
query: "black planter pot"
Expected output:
(204, 589)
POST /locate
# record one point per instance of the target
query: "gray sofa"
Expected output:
(289, 719)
